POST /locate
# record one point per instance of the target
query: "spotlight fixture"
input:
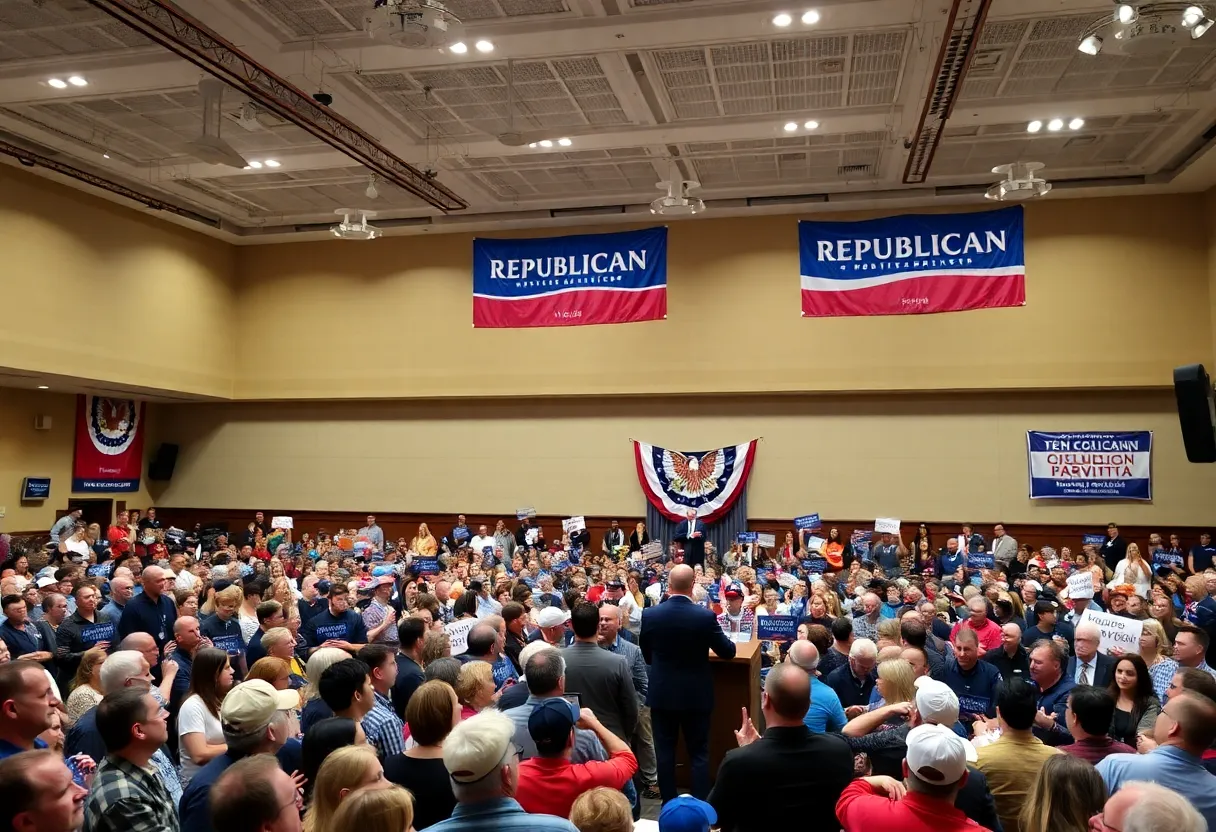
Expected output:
(1020, 182)
(1191, 16)
(532, 145)
(782, 20)
(371, 192)
(676, 201)
(254, 165)
(484, 46)
(271, 163)
(77, 81)
(1055, 125)
(359, 229)
(1090, 45)
(459, 47)
(58, 83)
(810, 18)
(811, 125)
(1034, 126)
(546, 143)
(1201, 28)
(1076, 124)
(565, 142)
(1144, 30)
(105, 155)
(1126, 13)
(791, 126)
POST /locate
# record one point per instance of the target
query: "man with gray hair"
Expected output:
(256, 719)
(825, 713)
(866, 624)
(545, 676)
(482, 759)
(1087, 666)
(1147, 807)
(854, 681)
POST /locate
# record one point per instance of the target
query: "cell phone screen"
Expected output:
(572, 698)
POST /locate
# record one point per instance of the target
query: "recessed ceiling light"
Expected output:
(58, 83)
(77, 81)
(105, 155)
(546, 143)
(811, 125)
(1076, 124)
(43, 387)
(1055, 124)
(484, 46)
(782, 20)
(459, 48)
(791, 126)
(565, 142)
(272, 163)
(532, 145)
(1034, 126)
(255, 165)
(810, 18)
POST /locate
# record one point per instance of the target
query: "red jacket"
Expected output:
(549, 786)
(860, 809)
(989, 635)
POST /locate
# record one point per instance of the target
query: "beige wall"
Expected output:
(25, 452)
(938, 458)
(97, 291)
(393, 319)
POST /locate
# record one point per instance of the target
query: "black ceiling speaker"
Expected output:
(1196, 412)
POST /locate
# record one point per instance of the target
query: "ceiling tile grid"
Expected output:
(49, 29)
(558, 175)
(268, 195)
(311, 18)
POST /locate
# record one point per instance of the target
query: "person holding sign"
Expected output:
(736, 621)
(891, 551)
(691, 533)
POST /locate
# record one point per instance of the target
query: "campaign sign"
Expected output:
(765, 540)
(975, 705)
(232, 644)
(887, 525)
(95, 633)
(35, 488)
(815, 566)
(1093, 539)
(458, 632)
(1116, 631)
(460, 533)
(570, 281)
(574, 524)
(427, 566)
(526, 511)
(1090, 466)
(652, 550)
(815, 544)
(281, 522)
(98, 570)
(913, 264)
(1164, 557)
(559, 565)
(807, 521)
(776, 627)
(747, 537)
(981, 560)
(860, 541)
(1081, 584)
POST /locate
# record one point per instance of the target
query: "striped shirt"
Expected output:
(501, 814)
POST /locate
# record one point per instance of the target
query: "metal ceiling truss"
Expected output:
(190, 39)
(958, 47)
(31, 159)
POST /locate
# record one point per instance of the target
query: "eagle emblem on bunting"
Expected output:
(708, 482)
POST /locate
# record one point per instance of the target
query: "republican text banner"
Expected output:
(570, 281)
(1090, 466)
(912, 264)
(109, 444)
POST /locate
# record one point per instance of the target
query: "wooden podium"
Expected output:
(736, 686)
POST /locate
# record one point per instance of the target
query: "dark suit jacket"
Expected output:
(676, 638)
(1104, 670)
(604, 683)
(635, 544)
(694, 547)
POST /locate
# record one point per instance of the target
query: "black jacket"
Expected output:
(1016, 667)
(71, 643)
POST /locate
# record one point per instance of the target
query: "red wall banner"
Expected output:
(109, 444)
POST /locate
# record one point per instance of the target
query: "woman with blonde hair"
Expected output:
(424, 542)
(1066, 793)
(344, 771)
(313, 706)
(602, 810)
(86, 685)
(1155, 649)
(1134, 570)
(475, 688)
(376, 810)
(279, 643)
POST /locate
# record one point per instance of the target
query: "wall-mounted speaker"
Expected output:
(161, 466)
(1196, 412)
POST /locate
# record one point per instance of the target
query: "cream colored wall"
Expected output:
(97, 291)
(25, 452)
(393, 319)
(930, 458)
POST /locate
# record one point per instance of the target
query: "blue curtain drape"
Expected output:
(721, 532)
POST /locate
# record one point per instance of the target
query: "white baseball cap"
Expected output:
(936, 754)
(551, 617)
(936, 702)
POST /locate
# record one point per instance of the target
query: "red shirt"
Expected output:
(989, 635)
(860, 809)
(549, 786)
(595, 593)
(119, 544)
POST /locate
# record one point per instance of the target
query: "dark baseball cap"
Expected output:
(550, 724)
(323, 586)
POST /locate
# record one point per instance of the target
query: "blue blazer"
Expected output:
(694, 547)
(1104, 670)
(676, 638)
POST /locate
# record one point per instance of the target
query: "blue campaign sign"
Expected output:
(97, 632)
(1093, 539)
(776, 627)
(229, 644)
(981, 560)
(98, 570)
(1165, 557)
(35, 488)
(460, 533)
(487, 556)
(816, 566)
(559, 565)
(1090, 466)
(427, 566)
(808, 522)
(747, 537)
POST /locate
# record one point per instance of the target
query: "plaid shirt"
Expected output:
(373, 617)
(127, 798)
(384, 729)
(1162, 673)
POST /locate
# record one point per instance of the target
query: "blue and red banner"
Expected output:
(707, 481)
(109, 444)
(913, 264)
(570, 281)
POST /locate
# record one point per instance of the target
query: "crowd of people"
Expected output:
(155, 679)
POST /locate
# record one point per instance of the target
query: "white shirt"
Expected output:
(631, 610)
(1090, 668)
(478, 543)
(185, 581)
(194, 718)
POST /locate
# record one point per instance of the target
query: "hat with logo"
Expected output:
(937, 703)
(686, 814)
(551, 617)
(734, 590)
(251, 705)
(550, 724)
(936, 754)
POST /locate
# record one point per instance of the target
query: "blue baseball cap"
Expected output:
(550, 723)
(686, 814)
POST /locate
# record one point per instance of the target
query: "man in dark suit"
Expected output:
(1087, 666)
(691, 533)
(615, 536)
(676, 638)
(603, 680)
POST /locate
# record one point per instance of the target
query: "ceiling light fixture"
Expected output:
(254, 165)
(782, 20)
(1055, 125)
(272, 163)
(791, 126)
(810, 18)
(77, 81)
(1191, 16)
(1034, 126)
(676, 201)
(1143, 30)
(355, 229)
(1076, 124)
(1126, 13)
(1020, 182)
(371, 192)
(1201, 28)
(58, 83)
(484, 46)
(565, 142)
(546, 143)
(811, 125)
(532, 145)
(1090, 45)
(43, 387)
(459, 47)
(105, 155)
